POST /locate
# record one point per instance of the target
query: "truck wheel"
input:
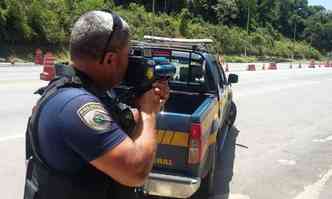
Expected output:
(232, 114)
(206, 188)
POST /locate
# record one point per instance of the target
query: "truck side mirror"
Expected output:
(233, 78)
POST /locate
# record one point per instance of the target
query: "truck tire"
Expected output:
(232, 114)
(206, 188)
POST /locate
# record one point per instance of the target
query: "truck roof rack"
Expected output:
(177, 40)
(174, 43)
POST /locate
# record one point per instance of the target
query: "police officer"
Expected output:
(81, 147)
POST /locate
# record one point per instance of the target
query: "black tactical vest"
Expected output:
(44, 182)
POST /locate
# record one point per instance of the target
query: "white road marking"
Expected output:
(329, 138)
(13, 137)
(231, 196)
(313, 191)
(287, 162)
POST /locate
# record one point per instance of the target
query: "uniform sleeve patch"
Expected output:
(95, 116)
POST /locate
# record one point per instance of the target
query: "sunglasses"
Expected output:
(116, 24)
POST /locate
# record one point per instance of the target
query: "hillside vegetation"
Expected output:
(259, 28)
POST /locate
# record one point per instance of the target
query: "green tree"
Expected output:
(248, 8)
(16, 23)
(268, 12)
(204, 9)
(227, 11)
(184, 22)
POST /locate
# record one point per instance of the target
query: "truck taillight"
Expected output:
(195, 144)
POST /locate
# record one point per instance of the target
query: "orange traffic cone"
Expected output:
(38, 57)
(48, 69)
(312, 64)
(251, 67)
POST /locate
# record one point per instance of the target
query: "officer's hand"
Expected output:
(161, 88)
(150, 102)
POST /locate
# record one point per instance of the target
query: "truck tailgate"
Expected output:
(174, 129)
(173, 135)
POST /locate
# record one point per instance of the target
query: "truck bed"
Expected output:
(184, 102)
(174, 126)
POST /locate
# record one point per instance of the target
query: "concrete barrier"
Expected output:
(272, 66)
(312, 64)
(251, 67)
(238, 67)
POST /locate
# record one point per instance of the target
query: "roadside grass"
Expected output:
(26, 53)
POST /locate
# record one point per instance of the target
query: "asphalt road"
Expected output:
(284, 137)
(16, 100)
(280, 147)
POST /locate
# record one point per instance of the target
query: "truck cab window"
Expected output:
(190, 67)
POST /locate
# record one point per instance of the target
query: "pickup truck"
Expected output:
(193, 125)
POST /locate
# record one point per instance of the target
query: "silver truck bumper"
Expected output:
(171, 186)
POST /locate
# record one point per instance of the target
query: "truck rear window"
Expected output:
(190, 67)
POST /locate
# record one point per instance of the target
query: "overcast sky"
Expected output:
(326, 3)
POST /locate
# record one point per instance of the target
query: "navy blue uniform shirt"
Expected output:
(74, 129)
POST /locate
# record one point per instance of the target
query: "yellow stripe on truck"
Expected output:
(176, 138)
(160, 135)
(213, 138)
(167, 138)
(212, 115)
(180, 139)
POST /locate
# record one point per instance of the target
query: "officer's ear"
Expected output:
(109, 58)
